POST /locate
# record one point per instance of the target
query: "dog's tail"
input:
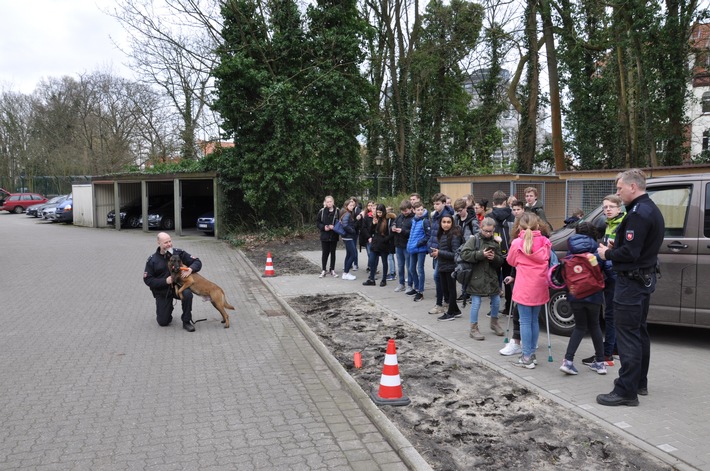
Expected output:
(228, 306)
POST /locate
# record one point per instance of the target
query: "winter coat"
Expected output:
(612, 225)
(350, 225)
(157, 270)
(580, 243)
(530, 288)
(539, 211)
(435, 218)
(405, 223)
(448, 245)
(327, 218)
(469, 226)
(484, 275)
(419, 235)
(364, 228)
(382, 242)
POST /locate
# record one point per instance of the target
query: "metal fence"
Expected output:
(44, 185)
(587, 194)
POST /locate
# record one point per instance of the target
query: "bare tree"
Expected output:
(172, 45)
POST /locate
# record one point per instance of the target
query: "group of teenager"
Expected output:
(510, 253)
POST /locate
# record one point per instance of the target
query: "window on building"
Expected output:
(705, 102)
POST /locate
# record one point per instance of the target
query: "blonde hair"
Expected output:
(528, 223)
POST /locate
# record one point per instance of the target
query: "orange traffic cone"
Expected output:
(390, 392)
(269, 270)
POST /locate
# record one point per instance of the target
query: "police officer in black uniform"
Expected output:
(635, 256)
(157, 277)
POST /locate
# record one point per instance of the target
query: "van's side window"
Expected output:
(674, 203)
(706, 230)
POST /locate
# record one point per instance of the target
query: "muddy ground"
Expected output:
(463, 414)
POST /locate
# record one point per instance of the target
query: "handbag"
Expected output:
(338, 227)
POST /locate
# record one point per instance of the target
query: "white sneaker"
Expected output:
(437, 310)
(322, 274)
(399, 288)
(511, 348)
(348, 276)
(333, 274)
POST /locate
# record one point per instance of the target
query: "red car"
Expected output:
(18, 202)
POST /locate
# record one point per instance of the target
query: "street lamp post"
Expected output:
(379, 160)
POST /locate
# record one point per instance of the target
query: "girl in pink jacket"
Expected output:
(530, 255)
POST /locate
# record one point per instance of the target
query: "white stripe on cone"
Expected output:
(390, 381)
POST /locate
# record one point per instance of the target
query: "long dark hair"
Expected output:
(455, 230)
(381, 222)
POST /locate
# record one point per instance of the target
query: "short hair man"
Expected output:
(634, 254)
(157, 277)
(533, 205)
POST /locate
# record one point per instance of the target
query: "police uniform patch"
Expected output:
(629, 235)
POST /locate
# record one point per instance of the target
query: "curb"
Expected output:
(404, 449)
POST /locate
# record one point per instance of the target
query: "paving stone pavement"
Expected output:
(89, 381)
(672, 422)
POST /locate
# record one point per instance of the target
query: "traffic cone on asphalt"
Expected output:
(390, 392)
(269, 270)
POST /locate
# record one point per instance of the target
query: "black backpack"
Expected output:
(464, 270)
(503, 231)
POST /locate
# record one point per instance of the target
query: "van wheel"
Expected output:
(561, 316)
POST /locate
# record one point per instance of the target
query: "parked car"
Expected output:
(37, 209)
(205, 222)
(65, 211)
(49, 211)
(32, 211)
(163, 217)
(131, 213)
(18, 202)
(680, 297)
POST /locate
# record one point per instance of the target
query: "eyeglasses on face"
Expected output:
(489, 231)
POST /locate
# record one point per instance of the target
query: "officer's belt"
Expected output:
(638, 271)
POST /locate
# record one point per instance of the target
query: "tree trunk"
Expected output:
(555, 108)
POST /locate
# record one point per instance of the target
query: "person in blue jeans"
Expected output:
(530, 254)
(417, 248)
(483, 251)
(347, 219)
(402, 227)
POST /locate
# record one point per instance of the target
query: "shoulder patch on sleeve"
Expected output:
(629, 236)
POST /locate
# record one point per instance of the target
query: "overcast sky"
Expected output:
(53, 38)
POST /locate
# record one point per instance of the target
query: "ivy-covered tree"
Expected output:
(291, 99)
(450, 32)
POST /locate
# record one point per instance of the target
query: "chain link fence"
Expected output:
(587, 194)
(44, 185)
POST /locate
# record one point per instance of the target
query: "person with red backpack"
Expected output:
(586, 309)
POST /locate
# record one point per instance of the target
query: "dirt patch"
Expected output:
(463, 414)
(284, 252)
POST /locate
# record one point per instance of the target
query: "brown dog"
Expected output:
(199, 285)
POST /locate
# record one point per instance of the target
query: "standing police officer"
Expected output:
(157, 277)
(635, 256)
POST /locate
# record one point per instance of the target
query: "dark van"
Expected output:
(680, 299)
